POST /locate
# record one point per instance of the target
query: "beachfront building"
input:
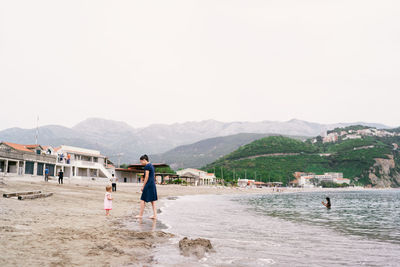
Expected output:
(341, 181)
(135, 174)
(200, 177)
(128, 175)
(77, 162)
(308, 180)
(246, 183)
(19, 159)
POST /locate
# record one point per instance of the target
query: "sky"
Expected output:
(146, 62)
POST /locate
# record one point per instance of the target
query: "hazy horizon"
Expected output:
(354, 122)
(170, 62)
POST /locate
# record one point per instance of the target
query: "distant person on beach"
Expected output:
(61, 177)
(113, 181)
(328, 203)
(149, 190)
(108, 200)
(46, 175)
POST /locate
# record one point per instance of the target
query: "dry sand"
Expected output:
(70, 227)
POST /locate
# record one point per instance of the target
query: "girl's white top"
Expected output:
(107, 202)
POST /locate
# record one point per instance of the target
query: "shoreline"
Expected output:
(70, 227)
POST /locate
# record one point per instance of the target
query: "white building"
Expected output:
(335, 175)
(129, 175)
(246, 182)
(341, 181)
(305, 181)
(82, 163)
(202, 177)
(308, 180)
(352, 136)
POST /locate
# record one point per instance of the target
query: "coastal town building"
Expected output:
(245, 183)
(18, 159)
(352, 136)
(335, 136)
(125, 175)
(309, 180)
(332, 137)
(134, 173)
(200, 177)
(80, 162)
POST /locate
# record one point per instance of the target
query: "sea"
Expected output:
(285, 229)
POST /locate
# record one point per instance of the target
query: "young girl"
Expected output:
(108, 200)
(149, 191)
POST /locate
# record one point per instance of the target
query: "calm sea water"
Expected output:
(361, 229)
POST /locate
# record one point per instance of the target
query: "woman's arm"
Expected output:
(146, 178)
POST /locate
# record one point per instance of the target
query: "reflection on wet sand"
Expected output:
(147, 225)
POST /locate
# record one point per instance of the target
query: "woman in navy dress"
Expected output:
(149, 190)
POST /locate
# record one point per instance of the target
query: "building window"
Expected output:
(40, 167)
(29, 167)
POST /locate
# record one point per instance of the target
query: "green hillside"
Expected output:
(206, 151)
(355, 158)
(271, 145)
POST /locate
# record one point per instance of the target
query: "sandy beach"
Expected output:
(70, 227)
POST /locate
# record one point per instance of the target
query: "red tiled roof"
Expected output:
(32, 146)
(18, 147)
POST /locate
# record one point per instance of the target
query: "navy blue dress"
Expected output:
(149, 191)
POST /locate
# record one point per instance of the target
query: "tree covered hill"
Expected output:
(272, 145)
(369, 160)
(205, 151)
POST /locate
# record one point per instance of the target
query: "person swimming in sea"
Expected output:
(328, 203)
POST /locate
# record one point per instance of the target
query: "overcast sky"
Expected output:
(146, 62)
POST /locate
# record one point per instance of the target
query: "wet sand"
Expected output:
(70, 228)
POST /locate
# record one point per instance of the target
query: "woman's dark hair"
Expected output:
(144, 157)
(328, 200)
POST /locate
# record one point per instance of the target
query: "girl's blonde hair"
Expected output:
(108, 188)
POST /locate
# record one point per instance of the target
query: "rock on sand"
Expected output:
(197, 247)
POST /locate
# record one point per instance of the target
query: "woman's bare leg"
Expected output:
(142, 204)
(153, 203)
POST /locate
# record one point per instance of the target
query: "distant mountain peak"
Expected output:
(99, 124)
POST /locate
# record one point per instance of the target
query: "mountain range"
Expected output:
(115, 137)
